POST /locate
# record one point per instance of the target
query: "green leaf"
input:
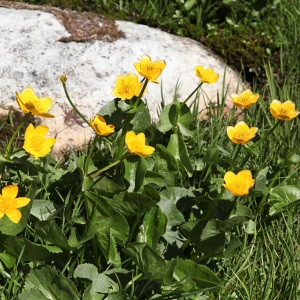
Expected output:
(167, 118)
(155, 179)
(283, 196)
(118, 225)
(177, 148)
(42, 209)
(49, 231)
(166, 165)
(7, 259)
(213, 238)
(169, 199)
(186, 121)
(132, 204)
(87, 271)
(141, 120)
(155, 222)
(135, 170)
(194, 277)
(25, 250)
(147, 260)
(44, 283)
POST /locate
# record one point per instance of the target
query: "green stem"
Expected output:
(109, 166)
(25, 118)
(259, 142)
(128, 120)
(235, 155)
(193, 92)
(86, 167)
(8, 148)
(74, 107)
(141, 94)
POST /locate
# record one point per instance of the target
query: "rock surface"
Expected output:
(38, 44)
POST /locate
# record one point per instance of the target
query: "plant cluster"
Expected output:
(146, 210)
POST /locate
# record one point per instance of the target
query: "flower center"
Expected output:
(37, 143)
(7, 204)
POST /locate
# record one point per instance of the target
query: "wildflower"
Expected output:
(35, 142)
(245, 100)
(241, 133)
(283, 111)
(29, 102)
(206, 76)
(9, 204)
(136, 144)
(100, 127)
(239, 184)
(148, 69)
(127, 86)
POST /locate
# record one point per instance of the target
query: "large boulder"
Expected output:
(38, 44)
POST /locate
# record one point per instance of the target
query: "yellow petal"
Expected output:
(14, 215)
(10, 191)
(22, 201)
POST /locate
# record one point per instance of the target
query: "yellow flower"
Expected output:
(148, 69)
(245, 100)
(239, 184)
(29, 102)
(9, 203)
(136, 144)
(206, 76)
(127, 86)
(100, 127)
(283, 111)
(35, 142)
(241, 133)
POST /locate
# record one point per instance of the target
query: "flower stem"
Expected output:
(86, 167)
(109, 166)
(259, 142)
(141, 94)
(74, 107)
(193, 92)
(128, 120)
(7, 151)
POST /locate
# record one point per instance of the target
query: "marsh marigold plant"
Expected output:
(148, 69)
(241, 133)
(245, 100)
(135, 143)
(283, 111)
(206, 75)
(239, 184)
(9, 203)
(36, 142)
(127, 86)
(100, 126)
(29, 102)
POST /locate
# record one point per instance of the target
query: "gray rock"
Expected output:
(32, 53)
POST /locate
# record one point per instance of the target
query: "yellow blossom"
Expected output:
(241, 133)
(148, 69)
(245, 100)
(35, 142)
(30, 102)
(9, 204)
(100, 126)
(283, 111)
(136, 144)
(127, 86)
(239, 184)
(206, 76)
